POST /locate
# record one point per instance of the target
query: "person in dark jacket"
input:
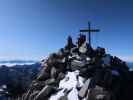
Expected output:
(69, 44)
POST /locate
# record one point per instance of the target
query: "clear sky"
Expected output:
(31, 29)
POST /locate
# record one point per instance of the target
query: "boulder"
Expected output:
(38, 85)
(87, 71)
(50, 81)
(63, 98)
(32, 96)
(61, 76)
(44, 93)
(77, 65)
(83, 91)
(75, 51)
(44, 73)
(54, 73)
(99, 93)
(106, 60)
(100, 51)
(43, 76)
(61, 67)
(102, 77)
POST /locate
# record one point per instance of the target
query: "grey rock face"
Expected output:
(83, 91)
(94, 64)
(51, 81)
(98, 93)
(77, 65)
(44, 93)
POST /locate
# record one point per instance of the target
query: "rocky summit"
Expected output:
(80, 72)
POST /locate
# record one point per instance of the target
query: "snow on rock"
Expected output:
(1, 90)
(73, 95)
(3, 86)
(70, 83)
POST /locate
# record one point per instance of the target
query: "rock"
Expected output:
(66, 92)
(83, 72)
(74, 57)
(51, 81)
(38, 85)
(61, 67)
(100, 51)
(43, 76)
(44, 93)
(87, 71)
(63, 98)
(101, 77)
(74, 51)
(61, 76)
(61, 52)
(77, 65)
(54, 73)
(106, 60)
(83, 91)
(32, 96)
(121, 66)
(99, 93)
(44, 73)
(27, 94)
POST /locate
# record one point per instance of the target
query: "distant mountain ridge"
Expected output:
(10, 63)
(17, 78)
(18, 61)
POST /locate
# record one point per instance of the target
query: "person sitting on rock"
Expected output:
(81, 40)
(81, 45)
(69, 44)
(84, 47)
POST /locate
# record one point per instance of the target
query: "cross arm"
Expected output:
(92, 30)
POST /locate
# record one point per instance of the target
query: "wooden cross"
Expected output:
(89, 30)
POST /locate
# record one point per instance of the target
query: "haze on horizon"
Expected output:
(31, 29)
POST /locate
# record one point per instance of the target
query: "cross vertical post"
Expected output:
(89, 33)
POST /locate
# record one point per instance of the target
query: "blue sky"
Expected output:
(31, 29)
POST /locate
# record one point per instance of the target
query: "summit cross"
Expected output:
(89, 30)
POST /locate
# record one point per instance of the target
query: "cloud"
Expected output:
(126, 58)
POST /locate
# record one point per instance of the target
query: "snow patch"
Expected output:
(71, 81)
